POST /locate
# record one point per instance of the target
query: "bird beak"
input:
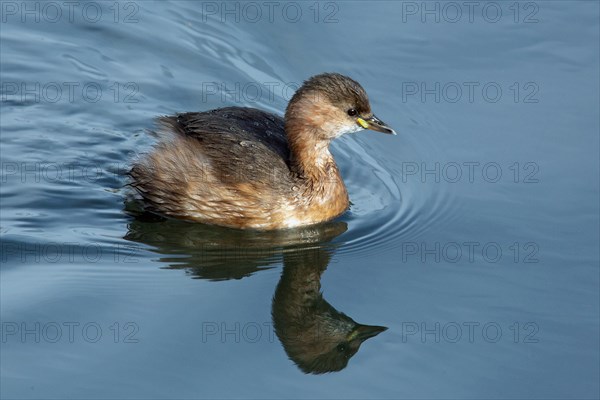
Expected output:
(375, 124)
(364, 332)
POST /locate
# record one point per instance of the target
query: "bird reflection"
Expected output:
(315, 336)
(216, 253)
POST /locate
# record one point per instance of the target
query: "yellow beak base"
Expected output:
(362, 123)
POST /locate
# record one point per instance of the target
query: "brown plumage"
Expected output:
(246, 168)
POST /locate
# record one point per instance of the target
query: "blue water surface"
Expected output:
(472, 236)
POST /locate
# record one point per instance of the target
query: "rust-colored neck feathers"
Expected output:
(309, 132)
(306, 126)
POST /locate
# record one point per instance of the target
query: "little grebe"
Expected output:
(246, 168)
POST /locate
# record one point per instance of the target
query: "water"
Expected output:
(473, 235)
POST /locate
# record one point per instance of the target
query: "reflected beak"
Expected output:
(375, 124)
(364, 332)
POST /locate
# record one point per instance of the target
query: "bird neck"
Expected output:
(307, 127)
(322, 192)
(299, 290)
(309, 143)
(309, 157)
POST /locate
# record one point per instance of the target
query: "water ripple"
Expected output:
(384, 210)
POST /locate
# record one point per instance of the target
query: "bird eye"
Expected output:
(341, 347)
(352, 112)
